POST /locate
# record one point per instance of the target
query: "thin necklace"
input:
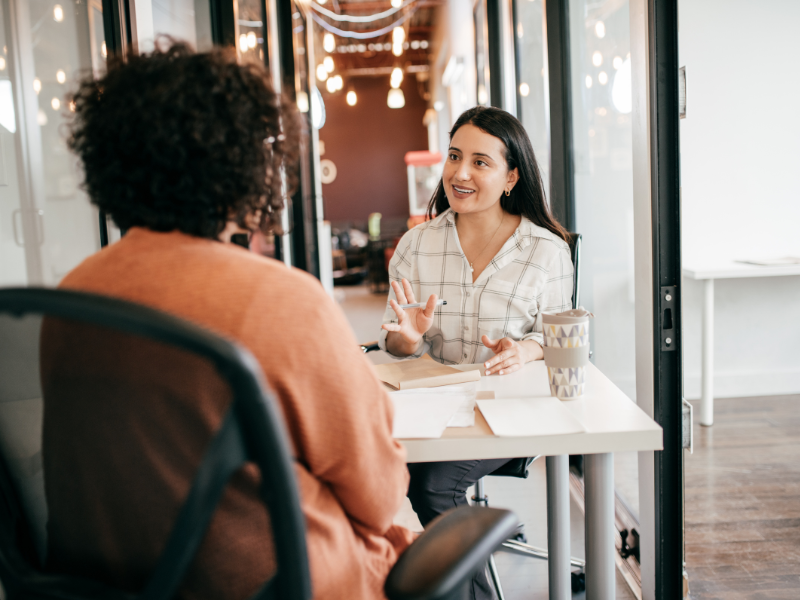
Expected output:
(471, 267)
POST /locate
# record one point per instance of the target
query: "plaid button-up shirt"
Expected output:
(530, 275)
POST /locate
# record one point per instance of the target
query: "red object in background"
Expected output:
(423, 158)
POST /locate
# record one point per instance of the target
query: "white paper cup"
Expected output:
(566, 352)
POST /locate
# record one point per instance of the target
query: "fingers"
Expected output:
(401, 314)
(488, 342)
(430, 307)
(509, 354)
(409, 293)
(390, 327)
(399, 293)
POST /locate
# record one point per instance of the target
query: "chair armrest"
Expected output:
(370, 347)
(448, 553)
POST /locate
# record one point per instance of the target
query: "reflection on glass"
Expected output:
(533, 90)
(601, 97)
(188, 20)
(250, 31)
(482, 53)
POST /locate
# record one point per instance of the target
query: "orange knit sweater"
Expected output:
(116, 477)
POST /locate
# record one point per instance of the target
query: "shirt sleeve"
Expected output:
(401, 267)
(557, 293)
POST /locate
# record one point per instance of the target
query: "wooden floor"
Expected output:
(743, 501)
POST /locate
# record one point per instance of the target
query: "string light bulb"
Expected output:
(58, 13)
(600, 29)
(597, 59)
(602, 77)
(61, 76)
(328, 42)
(351, 98)
(331, 85)
(322, 72)
(252, 40)
(397, 3)
(243, 43)
(37, 85)
(55, 103)
(396, 78)
(338, 82)
(328, 62)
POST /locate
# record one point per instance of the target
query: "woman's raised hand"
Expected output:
(412, 323)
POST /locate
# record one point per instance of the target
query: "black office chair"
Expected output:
(519, 466)
(437, 566)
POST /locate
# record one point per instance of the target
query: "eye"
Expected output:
(481, 163)
(452, 156)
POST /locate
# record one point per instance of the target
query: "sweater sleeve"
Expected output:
(338, 413)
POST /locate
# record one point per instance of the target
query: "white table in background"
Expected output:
(708, 273)
(613, 423)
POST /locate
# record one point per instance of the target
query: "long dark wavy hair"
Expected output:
(527, 198)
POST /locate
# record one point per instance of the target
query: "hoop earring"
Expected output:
(508, 192)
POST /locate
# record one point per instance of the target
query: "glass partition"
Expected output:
(188, 20)
(250, 30)
(530, 46)
(601, 109)
(47, 224)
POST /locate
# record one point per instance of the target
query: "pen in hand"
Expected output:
(422, 304)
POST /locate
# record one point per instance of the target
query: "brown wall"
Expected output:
(367, 143)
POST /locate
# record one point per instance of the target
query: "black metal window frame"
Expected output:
(666, 244)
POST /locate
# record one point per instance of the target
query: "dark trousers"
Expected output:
(437, 487)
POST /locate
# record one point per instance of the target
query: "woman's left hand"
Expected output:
(510, 355)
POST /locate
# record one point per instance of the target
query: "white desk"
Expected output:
(708, 273)
(613, 423)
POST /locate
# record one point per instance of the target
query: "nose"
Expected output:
(462, 172)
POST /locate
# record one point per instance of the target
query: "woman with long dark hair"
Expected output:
(493, 250)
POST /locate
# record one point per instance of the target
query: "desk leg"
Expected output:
(707, 397)
(598, 473)
(558, 536)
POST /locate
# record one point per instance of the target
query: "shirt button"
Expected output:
(468, 294)
(465, 356)
(466, 327)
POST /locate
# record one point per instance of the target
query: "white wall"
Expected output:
(740, 159)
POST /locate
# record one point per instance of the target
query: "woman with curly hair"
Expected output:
(175, 146)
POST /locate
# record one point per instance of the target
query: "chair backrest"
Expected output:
(575, 253)
(252, 430)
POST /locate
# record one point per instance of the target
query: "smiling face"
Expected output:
(475, 173)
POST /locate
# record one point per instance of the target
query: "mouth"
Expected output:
(462, 190)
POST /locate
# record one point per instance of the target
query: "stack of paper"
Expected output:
(524, 417)
(422, 373)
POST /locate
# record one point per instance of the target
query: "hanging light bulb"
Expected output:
(328, 43)
(328, 62)
(600, 29)
(351, 98)
(58, 13)
(61, 77)
(243, 42)
(338, 82)
(602, 77)
(397, 3)
(252, 40)
(55, 103)
(398, 37)
(302, 102)
(331, 85)
(396, 99)
(397, 77)
(322, 72)
(37, 85)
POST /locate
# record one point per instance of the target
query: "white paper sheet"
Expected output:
(419, 416)
(465, 416)
(522, 417)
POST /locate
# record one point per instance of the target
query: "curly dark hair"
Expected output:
(179, 140)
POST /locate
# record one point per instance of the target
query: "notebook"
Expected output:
(421, 373)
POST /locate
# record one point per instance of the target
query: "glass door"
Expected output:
(47, 224)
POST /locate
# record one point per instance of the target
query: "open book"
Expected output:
(421, 373)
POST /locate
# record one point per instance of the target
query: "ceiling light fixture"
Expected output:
(352, 98)
(396, 99)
